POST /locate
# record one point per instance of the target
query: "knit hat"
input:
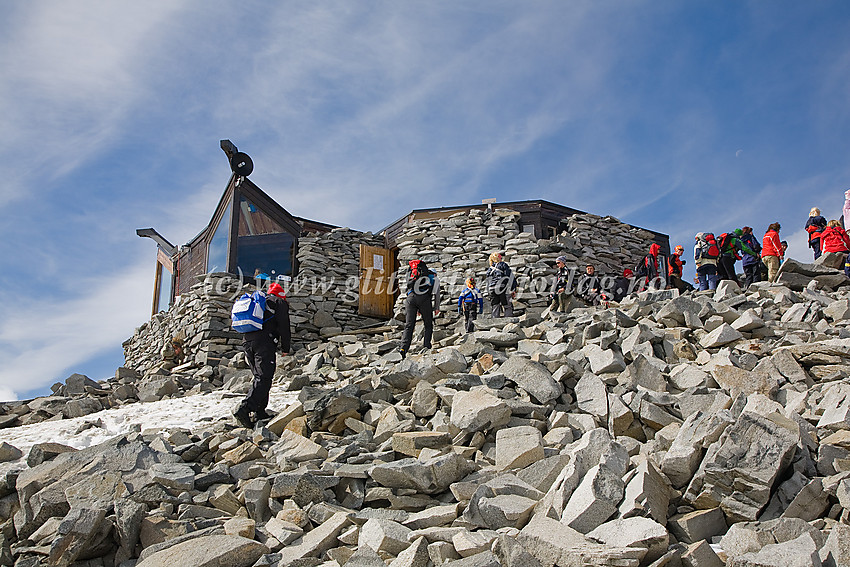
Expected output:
(561, 259)
(470, 282)
(627, 273)
(738, 232)
(679, 248)
(277, 291)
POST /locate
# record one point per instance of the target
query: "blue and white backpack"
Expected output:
(248, 312)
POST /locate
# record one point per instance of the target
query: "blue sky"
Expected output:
(675, 116)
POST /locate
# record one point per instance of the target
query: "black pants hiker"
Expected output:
(752, 274)
(470, 313)
(726, 268)
(417, 304)
(262, 360)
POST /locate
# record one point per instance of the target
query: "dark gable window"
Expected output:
(263, 247)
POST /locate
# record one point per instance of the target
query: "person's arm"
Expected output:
(283, 330)
(436, 294)
(460, 301)
(480, 299)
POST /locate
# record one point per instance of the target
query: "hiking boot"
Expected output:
(242, 417)
(402, 352)
(263, 415)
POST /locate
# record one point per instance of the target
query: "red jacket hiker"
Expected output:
(771, 245)
(834, 239)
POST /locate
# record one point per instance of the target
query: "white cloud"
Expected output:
(42, 337)
(70, 75)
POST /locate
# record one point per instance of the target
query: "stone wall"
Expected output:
(203, 316)
(459, 246)
(324, 296)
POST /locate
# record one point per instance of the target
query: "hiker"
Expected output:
(751, 262)
(674, 270)
(772, 251)
(260, 348)
(500, 285)
(706, 253)
(834, 239)
(621, 287)
(471, 304)
(648, 269)
(423, 298)
(730, 245)
(560, 297)
(588, 286)
(815, 226)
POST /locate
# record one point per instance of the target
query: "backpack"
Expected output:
(418, 271)
(248, 312)
(641, 270)
(709, 248)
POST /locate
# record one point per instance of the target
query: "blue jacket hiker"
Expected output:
(471, 304)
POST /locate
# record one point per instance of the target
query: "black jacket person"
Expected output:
(260, 348)
(423, 297)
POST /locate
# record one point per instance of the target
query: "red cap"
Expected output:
(627, 273)
(277, 290)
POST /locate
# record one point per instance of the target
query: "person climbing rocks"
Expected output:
(423, 298)
(501, 286)
(706, 254)
(260, 351)
(751, 262)
(815, 226)
(772, 251)
(470, 304)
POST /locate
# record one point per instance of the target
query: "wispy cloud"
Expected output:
(42, 338)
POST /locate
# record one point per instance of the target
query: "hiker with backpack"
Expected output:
(471, 304)
(263, 320)
(706, 254)
(751, 262)
(730, 246)
(815, 226)
(423, 298)
(501, 286)
(771, 251)
(648, 269)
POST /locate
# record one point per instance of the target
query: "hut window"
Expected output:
(163, 288)
(217, 251)
(263, 247)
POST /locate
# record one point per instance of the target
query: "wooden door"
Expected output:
(376, 295)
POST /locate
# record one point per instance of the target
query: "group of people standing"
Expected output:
(827, 237)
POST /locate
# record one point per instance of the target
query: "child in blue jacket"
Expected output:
(470, 303)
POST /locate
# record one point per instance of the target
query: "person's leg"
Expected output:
(749, 274)
(409, 324)
(262, 363)
(702, 278)
(563, 302)
(772, 263)
(508, 303)
(427, 312)
(816, 248)
(495, 305)
(473, 315)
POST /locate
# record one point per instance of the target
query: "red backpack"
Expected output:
(710, 249)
